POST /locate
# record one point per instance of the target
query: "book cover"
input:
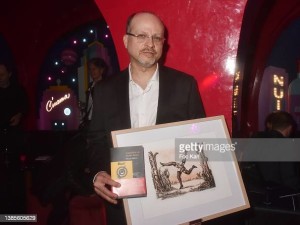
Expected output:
(128, 168)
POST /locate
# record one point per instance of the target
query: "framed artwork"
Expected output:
(182, 190)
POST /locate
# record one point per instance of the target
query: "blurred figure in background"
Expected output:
(98, 71)
(14, 105)
(276, 182)
(279, 124)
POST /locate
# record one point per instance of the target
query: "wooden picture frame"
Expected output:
(169, 203)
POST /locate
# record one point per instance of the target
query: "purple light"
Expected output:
(49, 78)
(194, 128)
(74, 42)
(106, 35)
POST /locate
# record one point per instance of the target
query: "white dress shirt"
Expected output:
(143, 103)
(90, 102)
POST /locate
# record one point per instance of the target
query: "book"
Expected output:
(128, 168)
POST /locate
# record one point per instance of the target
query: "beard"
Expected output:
(147, 57)
(147, 63)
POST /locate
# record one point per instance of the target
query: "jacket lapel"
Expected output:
(165, 90)
(122, 88)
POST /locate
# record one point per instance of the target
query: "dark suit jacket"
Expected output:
(285, 174)
(179, 100)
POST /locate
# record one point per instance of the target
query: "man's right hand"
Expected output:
(102, 184)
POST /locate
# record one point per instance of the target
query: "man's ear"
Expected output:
(287, 131)
(125, 40)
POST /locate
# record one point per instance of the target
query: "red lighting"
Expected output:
(22, 158)
(209, 81)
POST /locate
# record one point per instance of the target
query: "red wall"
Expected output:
(203, 36)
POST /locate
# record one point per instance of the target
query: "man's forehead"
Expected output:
(143, 19)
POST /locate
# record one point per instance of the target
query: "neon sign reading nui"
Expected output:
(52, 104)
(278, 90)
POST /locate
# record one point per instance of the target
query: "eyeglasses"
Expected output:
(143, 37)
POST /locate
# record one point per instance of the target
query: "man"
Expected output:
(285, 174)
(181, 169)
(144, 94)
(14, 105)
(13, 99)
(98, 71)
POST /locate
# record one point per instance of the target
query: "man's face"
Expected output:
(95, 72)
(147, 52)
(4, 76)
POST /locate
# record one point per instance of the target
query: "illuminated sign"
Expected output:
(278, 90)
(236, 92)
(52, 104)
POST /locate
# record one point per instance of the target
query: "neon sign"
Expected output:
(236, 92)
(278, 90)
(52, 104)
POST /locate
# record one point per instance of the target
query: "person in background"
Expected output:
(14, 106)
(146, 93)
(13, 99)
(268, 121)
(280, 124)
(75, 200)
(98, 72)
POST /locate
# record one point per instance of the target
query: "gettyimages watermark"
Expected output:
(242, 149)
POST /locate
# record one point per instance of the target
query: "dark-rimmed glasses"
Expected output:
(143, 37)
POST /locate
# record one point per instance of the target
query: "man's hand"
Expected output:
(102, 184)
